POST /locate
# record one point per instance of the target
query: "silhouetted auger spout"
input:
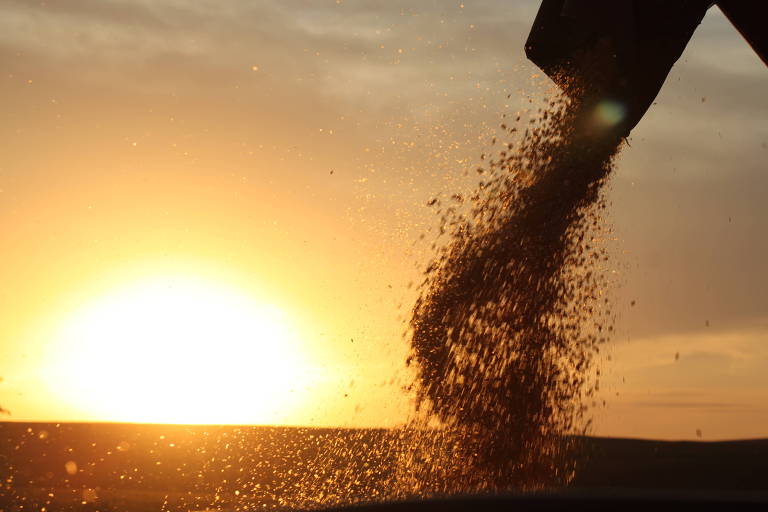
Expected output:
(621, 51)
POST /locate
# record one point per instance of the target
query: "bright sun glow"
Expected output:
(180, 350)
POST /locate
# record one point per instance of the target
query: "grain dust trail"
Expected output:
(512, 311)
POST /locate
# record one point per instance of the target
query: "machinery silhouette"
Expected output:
(615, 55)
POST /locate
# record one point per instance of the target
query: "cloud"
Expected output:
(719, 45)
(685, 405)
(395, 56)
(690, 249)
(700, 362)
(674, 385)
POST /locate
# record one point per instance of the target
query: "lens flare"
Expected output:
(609, 113)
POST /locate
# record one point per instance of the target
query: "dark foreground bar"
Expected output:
(583, 501)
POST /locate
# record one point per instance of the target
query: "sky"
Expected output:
(286, 150)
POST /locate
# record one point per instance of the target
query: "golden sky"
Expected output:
(284, 151)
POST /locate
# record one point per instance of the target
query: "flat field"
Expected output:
(133, 467)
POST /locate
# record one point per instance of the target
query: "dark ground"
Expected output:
(171, 467)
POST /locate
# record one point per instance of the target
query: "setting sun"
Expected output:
(179, 350)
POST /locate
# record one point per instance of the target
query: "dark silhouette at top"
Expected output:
(620, 52)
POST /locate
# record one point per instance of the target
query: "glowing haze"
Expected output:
(211, 213)
(179, 350)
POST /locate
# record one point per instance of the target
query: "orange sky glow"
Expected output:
(260, 171)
